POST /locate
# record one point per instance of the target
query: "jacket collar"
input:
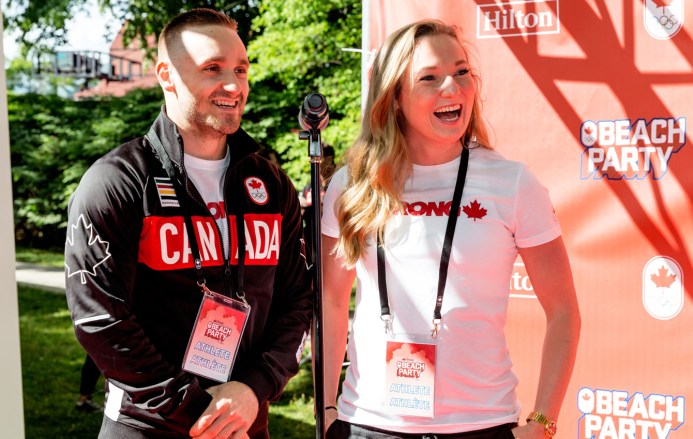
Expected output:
(240, 143)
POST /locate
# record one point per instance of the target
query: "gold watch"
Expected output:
(549, 426)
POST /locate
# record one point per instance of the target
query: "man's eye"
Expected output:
(241, 70)
(212, 68)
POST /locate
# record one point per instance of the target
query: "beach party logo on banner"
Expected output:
(663, 18)
(517, 18)
(630, 149)
(617, 414)
(662, 288)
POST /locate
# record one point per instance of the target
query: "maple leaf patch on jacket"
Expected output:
(81, 234)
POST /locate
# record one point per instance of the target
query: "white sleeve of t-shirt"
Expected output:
(535, 219)
(329, 225)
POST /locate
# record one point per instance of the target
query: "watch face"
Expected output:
(551, 429)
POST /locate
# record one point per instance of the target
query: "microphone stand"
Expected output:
(315, 155)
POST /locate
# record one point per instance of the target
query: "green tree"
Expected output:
(41, 24)
(298, 50)
(53, 141)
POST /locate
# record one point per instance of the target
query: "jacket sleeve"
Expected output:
(105, 217)
(277, 356)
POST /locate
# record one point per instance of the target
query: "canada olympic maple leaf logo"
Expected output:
(663, 289)
(256, 190)
(663, 279)
(663, 18)
(98, 252)
(474, 210)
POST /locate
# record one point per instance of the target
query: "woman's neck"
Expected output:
(428, 155)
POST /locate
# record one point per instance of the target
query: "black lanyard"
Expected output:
(167, 164)
(385, 313)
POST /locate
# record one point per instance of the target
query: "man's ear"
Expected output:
(163, 73)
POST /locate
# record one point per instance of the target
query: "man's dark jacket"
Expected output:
(132, 287)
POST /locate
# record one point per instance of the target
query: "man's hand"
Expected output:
(232, 411)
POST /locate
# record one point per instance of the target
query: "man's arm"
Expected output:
(104, 223)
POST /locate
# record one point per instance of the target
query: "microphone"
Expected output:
(314, 114)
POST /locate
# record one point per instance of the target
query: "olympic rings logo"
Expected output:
(260, 196)
(667, 21)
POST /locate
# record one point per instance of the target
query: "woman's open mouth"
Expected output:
(449, 113)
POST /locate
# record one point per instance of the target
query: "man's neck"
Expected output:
(204, 147)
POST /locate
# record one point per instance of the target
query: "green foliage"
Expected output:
(298, 50)
(53, 141)
(41, 24)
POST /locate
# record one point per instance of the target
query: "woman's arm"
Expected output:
(336, 290)
(549, 270)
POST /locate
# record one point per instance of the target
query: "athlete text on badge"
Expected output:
(414, 403)
(209, 349)
(410, 389)
(209, 364)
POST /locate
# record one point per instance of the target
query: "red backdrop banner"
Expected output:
(594, 96)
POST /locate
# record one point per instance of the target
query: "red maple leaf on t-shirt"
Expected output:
(255, 184)
(474, 210)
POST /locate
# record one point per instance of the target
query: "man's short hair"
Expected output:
(193, 18)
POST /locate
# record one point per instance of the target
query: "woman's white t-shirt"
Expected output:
(503, 207)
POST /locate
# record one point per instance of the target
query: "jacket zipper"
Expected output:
(228, 278)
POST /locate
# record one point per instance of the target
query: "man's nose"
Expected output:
(231, 83)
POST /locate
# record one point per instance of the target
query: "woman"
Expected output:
(428, 353)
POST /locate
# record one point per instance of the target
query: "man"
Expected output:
(153, 235)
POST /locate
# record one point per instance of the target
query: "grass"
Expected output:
(49, 258)
(51, 364)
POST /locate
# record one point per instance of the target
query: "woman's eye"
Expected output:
(462, 72)
(427, 78)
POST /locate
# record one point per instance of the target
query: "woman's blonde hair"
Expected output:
(377, 161)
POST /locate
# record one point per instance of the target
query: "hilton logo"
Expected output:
(517, 18)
